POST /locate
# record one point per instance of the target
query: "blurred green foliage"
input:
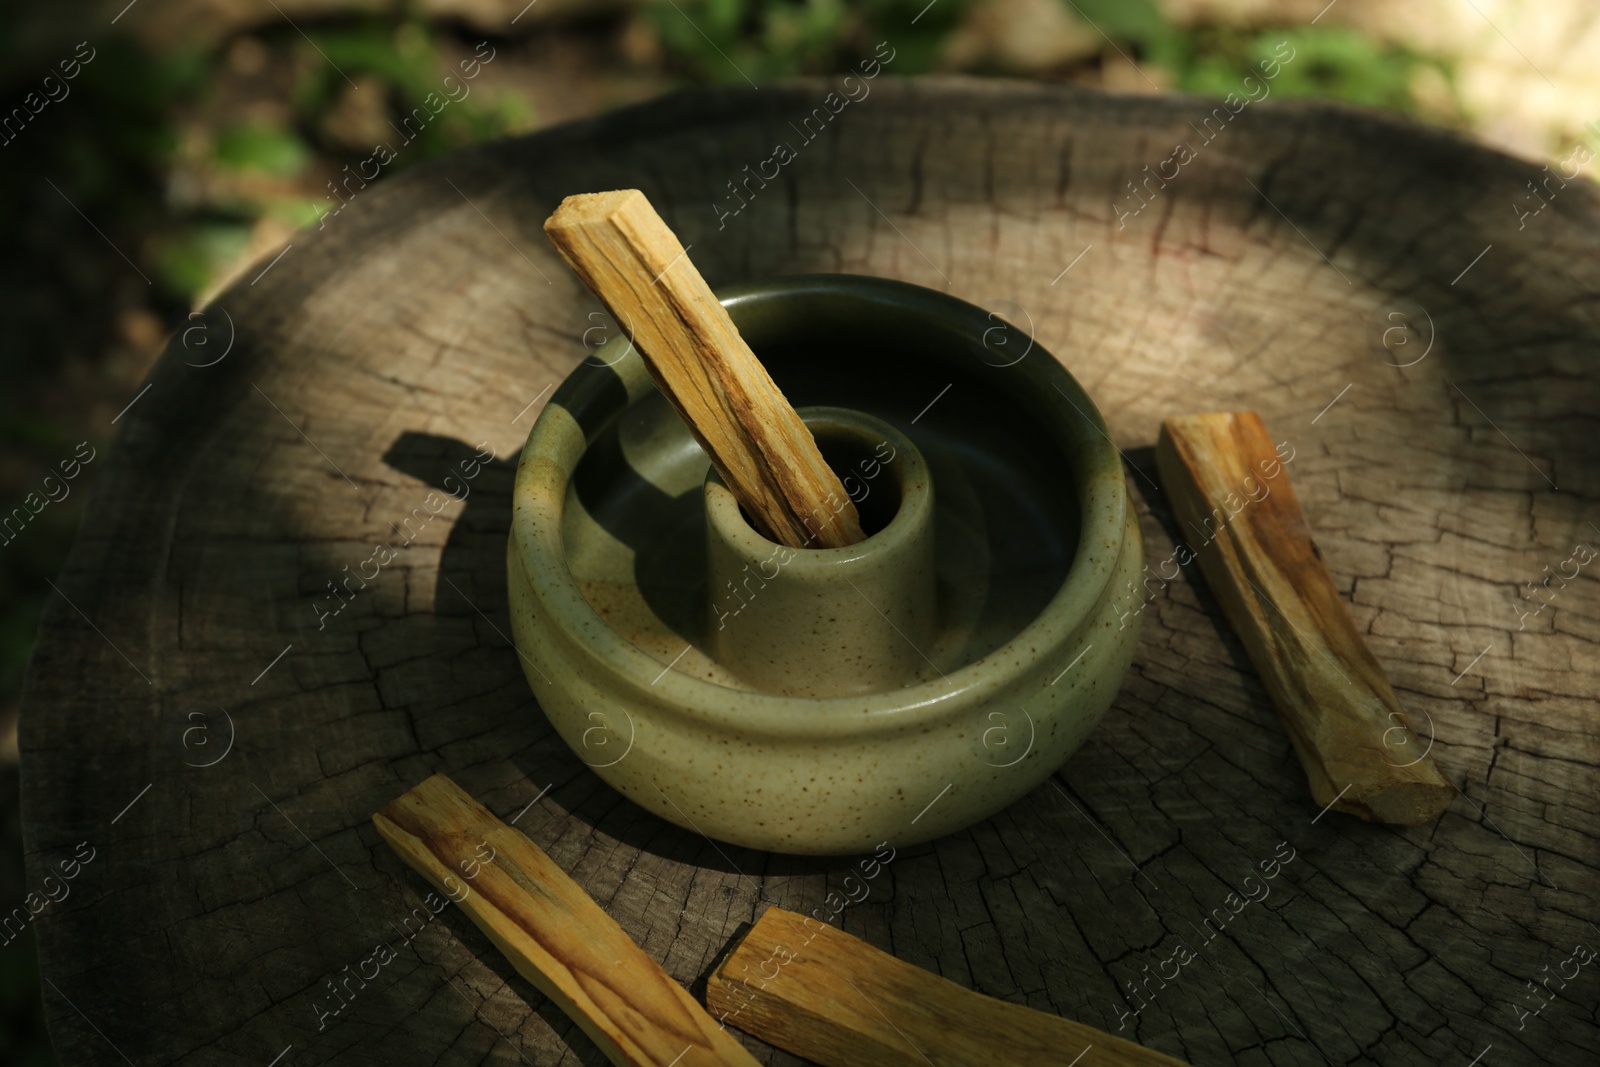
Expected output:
(1329, 61)
(401, 61)
(105, 148)
(114, 144)
(1137, 22)
(257, 146)
(191, 256)
(114, 149)
(405, 60)
(723, 41)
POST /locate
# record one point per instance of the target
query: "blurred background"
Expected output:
(193, 137)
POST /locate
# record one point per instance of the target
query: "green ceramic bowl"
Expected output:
(1033, 540)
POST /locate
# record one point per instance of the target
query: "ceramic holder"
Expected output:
(1036, 553)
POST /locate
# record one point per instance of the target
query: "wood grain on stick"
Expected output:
(552, 931)
(1223, 476)
(819, 993)
(631, 260)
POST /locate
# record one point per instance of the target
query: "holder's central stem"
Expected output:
(830, 621)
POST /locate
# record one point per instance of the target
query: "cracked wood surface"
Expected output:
(374, 358)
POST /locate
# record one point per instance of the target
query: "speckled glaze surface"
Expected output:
(830, 622)
(613, 608)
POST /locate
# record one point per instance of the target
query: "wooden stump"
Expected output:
(368, 365)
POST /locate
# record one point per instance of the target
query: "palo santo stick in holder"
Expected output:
(1258, 557)
(819, 993)
(628, 258)
(552, 932)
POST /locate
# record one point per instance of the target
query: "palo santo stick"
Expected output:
(626, 255)
(1341, 714)
(821, 994)
(551, 931)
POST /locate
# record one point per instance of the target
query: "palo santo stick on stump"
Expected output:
(551, 931)
(819, 993)
(628, 258)
(1224, 479)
